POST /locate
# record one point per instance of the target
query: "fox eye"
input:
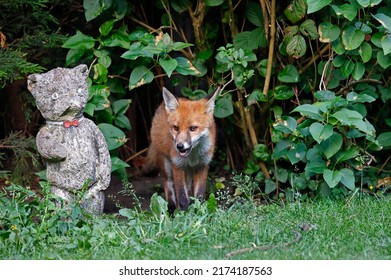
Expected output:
(175, 128)
(193, 128)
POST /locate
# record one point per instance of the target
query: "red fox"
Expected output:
(183, 135)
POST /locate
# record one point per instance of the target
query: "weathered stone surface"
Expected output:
(74, 148)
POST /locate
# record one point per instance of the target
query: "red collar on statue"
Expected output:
(66, 124)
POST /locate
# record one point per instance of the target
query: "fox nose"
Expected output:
(180, 146)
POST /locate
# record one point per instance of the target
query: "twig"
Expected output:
(265, 248)
(143, 24)
(265, 18)
(136, 154)
(353, 83)
(271, 48)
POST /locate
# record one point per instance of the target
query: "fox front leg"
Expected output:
(199, 183)
(181, 188)
(169, 188)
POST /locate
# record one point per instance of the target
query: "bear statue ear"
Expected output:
(32, 81)
(82, 69)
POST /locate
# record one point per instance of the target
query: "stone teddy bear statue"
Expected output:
(74, 148)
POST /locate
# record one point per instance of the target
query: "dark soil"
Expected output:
(137, 192)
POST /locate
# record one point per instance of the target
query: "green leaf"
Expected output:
(286, 124)
(360, 98)
(79, 41)
(224, 107)
(289, 74)
(321, 132)
(100, 73)
(120, 8)
(358, 71)
(296, 47)
(211, 203)
(135, 50)
(120, 38)
(384, 20)
(316, 5)
(331, 145)
(332, 178)
(328, 32)
(281, 148)
(120, 106)
(254, 14)
(316, 166)
(298, 181)
(345, 155)
(338, 46)
(297, 152)
(106, 27)
(347, 117)
(270, 186)
(185, 67)
(296, 10)
(365, 51)
(347, 68)
(93, 8)
(282, 175)
(260, 152)
(339, 60)
(348, 11)
(352, 37)
(127, 213)
(308, 28)
(123, 122)
(213, 3)
(263, 67)
(385, 140)
(386, 44)
(347, 178)
(158, 206)
(324, 95)
(117, 163)
(257, 95)
(169, 64)
(368, 3)
(283, 92)
(73, 56)
(114, 137)
(140, 75)
(180, 5)
(383, 60)
(181, 45)
(250, 40)
(376, 39)
(310, 111)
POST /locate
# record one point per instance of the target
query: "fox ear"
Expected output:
(170, 100)
(210, 104)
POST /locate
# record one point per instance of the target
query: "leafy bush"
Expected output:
(304, 86)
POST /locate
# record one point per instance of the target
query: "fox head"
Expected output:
(189, 121)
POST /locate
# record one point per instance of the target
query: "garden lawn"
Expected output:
(323, 229)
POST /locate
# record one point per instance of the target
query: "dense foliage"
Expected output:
(306, 89)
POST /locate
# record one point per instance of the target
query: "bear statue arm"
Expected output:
(49, 145)
(104, 169)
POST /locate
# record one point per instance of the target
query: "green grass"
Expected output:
(356, 229)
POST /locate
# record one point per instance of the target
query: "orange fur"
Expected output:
(182, 145)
